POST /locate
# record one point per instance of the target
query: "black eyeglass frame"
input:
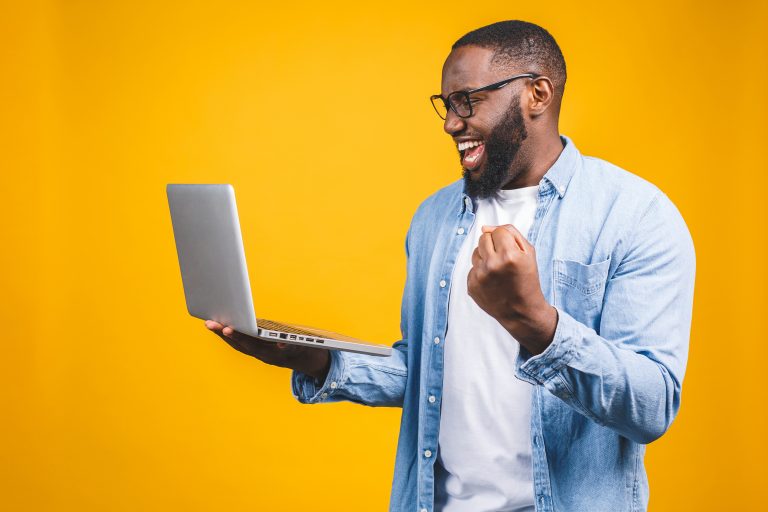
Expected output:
(465, 95)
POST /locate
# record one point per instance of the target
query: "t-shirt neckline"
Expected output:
(516, 194)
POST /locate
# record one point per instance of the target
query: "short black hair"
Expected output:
(520, 42)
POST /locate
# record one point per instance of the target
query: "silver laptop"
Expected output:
(214, 273)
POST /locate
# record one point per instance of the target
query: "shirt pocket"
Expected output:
(580, 288)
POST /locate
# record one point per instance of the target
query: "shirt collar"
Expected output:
(558, 177)
(561, 172)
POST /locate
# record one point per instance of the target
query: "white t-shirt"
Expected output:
(484, 456)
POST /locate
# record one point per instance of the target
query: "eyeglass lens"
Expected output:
(439, 105)
(459, 102)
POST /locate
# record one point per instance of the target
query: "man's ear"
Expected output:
(541, 96)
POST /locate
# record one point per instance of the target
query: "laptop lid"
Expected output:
(209, 245)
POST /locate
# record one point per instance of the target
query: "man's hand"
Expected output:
(315, 362)
(504, 282)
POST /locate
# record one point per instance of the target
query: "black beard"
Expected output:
(501, 147)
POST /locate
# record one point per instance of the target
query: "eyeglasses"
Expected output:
(461, 103)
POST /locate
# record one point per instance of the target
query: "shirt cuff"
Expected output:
(309, 390)
(542, 368)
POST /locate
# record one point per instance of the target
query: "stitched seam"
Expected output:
(640, 220)
(635, 487)
(573, 283)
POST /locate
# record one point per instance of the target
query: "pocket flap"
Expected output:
(588, 279)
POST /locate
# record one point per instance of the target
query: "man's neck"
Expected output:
(540, 157)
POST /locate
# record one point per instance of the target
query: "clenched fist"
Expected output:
(504, 282)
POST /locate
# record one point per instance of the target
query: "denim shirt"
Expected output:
(617, 261)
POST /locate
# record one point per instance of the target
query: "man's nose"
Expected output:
(453, 123)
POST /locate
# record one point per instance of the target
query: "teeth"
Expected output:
(469, 144)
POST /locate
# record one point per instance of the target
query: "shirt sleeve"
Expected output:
(629, 376)
(359, 378)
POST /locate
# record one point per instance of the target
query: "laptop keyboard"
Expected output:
(277, 326)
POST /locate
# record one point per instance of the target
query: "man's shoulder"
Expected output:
(626, 197)
(607, 186)
(608, 178)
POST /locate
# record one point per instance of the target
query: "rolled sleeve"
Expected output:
(308, 390)
(359, 378)
(541, 368)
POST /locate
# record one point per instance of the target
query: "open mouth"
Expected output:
(472, 152)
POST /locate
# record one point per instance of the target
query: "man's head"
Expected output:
(507, 123)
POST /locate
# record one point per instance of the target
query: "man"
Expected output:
(546, 311)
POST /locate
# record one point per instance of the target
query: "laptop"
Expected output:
(215, 277)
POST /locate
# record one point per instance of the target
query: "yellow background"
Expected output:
(112, 398)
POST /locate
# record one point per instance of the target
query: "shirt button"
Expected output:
(442, 283)
(460, 231)
(334, 385)
(324, 395)
(432, 399)
(437, 341)
(427, 453)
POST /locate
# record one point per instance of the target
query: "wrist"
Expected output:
(320, 367)
(535, 330)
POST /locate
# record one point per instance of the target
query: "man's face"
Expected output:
(489, 140)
